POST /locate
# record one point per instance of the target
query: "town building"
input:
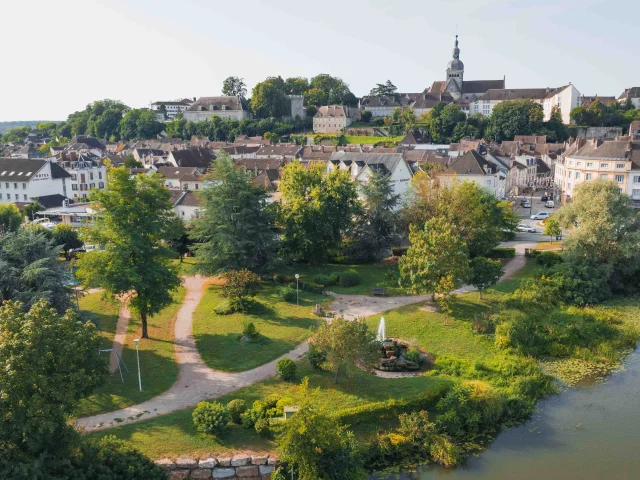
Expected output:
(333, 118)
(169, 110)
(631, 95)
(615, 160)
(180, 178)
(86, 171)
(191, 157)
(186, 204)
(23, 180)
(205, 108)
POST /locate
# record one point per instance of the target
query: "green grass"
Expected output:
(371, 275)
(185, 267)
(103, 312)
(281, 326)
(157, 360)
(368, 140)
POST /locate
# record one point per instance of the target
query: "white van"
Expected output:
(550, 204)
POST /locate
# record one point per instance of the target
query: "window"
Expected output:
(571, 163)
(197, 186)
(74, 186)
(488, 182)
(589, 164)
(620, 165)
(7, 184)
(604, 165)
(17, 197)
(635, 193)
(604, 176)
(15, 185)
(100, 184)
(99, 175)
(11, 173)
(74, 177)
(577, 175)
(569, 174)
(636, 179)
(92, 185)
(24, 186)
(25, 197)
(91, 176)
(588, 176)
(578, 164)
(619, 178)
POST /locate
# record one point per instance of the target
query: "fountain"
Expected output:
(381, 331)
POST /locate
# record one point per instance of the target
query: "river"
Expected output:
(587, 433)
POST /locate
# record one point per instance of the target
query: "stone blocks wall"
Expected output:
(236, 467)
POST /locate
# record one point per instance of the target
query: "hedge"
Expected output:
(372, 412)
(501, 252)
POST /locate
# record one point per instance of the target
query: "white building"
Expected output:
(87, 173)
(171, 108)
(632, 94)
(24, 180)
(473, 167)
(224, 107)
(180, 178)
(186, 204)
(362, 165)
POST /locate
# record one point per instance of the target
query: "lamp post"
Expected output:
(297, 282)
(136, 341)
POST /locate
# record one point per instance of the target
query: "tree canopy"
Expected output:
(10, 218)
(317, 210)
(599, 114)
(31, 270)
(233, 86)
(133, 220)
(514, 117)
(387, 88)
(236, 229)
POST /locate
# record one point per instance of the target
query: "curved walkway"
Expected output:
(197, 382)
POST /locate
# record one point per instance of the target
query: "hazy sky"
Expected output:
(60, 55)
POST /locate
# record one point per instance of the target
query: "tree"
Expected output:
(31, 270)
(67, 237)
(555, 125)
(379, 218)
(133, 219)
(315, 446)
(436, 259)
(484, 272)
(140, 123)
(606, 230)
(327, 90)
(49, 362)
(386, 88)
(552, 228)
(514, 117)
(238, 286)
(296, 85)
(131, 162)
(479, 217)
(317, 210)
(271, 136)
(268, 98)
(31, 209)
(346, 344)
(10, 218)
(236, 229)
(234, 86)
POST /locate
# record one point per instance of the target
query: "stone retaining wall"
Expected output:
(242, 467)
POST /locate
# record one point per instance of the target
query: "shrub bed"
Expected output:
(502, 252)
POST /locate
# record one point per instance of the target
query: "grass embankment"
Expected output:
(281, 326)
(371, 275)
(103, 312)
(506, 382)
(157, 356)
(372, 140)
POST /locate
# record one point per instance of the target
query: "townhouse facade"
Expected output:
(23, 180)
(333, 118)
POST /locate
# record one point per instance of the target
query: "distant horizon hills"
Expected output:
(6, 125)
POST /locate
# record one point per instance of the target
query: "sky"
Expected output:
(58, 56)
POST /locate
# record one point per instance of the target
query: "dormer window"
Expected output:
(11, 173)
(212, 107)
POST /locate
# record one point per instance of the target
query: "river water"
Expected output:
(586, 433)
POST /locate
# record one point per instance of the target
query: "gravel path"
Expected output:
(197, 382)
(121, 334)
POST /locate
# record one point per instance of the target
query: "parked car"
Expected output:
(544, 198)
(526, 205)
(540, 216)
(523, 227)
(550, 204)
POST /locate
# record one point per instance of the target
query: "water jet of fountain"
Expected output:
(381, 331)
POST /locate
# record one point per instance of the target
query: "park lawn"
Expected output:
(157, 364)
(186, 266)
(555, 245)
(103, 312)
(369, 139)
(371, 275)
(174, 435)
(281, 326)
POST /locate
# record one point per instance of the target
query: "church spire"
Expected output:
(456, 50)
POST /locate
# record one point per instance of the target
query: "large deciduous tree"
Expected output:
(606, 227)
(436, 260)
(236, 230)
(30, 269)
(327, 90)
(346, 345)
(317, 210)
(48, 363)
(268, 98)
(514, 117)
(66, 237)
(483, 273)
(10, 218)
(387, 88)
(134, 218)
(233, 86)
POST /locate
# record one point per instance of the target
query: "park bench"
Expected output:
(379, 291)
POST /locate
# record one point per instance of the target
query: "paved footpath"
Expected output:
(121, 334)
(197, 382)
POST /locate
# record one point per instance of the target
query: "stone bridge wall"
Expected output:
(237, 467)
